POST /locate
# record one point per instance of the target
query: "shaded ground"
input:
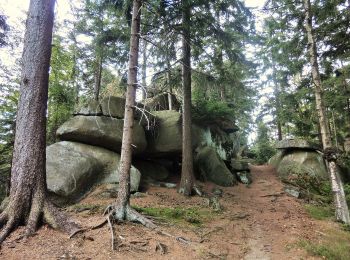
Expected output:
(258, 222)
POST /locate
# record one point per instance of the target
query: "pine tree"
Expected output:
(28, 202)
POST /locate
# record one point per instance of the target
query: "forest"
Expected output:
(221, 127)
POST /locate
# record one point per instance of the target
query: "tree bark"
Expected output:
(98, 76)
(187, 176)
(168, 79)
(122, 209)
(342, 211)
(28, 196)
(278, 103)
(144, 70)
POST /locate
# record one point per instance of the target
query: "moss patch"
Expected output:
(193, 216)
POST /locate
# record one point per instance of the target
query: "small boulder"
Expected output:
(245, 177)
(241, 164)
(213, 168)
(101, 131)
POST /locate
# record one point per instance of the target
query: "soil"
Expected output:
(257, 222)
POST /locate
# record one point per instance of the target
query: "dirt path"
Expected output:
(258, 222)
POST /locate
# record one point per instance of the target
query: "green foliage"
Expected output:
(62, 93)
(263, 148)
(205, 111)
(8, 108)
(193, 216)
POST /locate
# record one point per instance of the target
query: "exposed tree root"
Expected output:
(195, 190)
(118, 214)
(129, 214)
(40, 210)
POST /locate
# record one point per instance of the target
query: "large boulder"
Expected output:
(166, 139)
(212, 168)
(296, 144)
(92, 108)
(301, 162)
(160, 102)
(101, 131)
(113, 106)
(73, 169)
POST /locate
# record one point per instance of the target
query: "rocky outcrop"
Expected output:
(160, 102)
(306, 162)
(101, 131)
(93, 108)
(166, 139)
(87, 155)
(299, 163)
(296, 144)
(113, 107)
(212, 168)
(73, 169)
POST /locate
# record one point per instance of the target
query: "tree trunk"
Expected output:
(278, 103)
(144, 70)
(187, 176)
(98, 75)
(168, 79)
(342, 212)
(27, 201)
(122, 209)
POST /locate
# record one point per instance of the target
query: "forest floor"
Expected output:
(257, 222)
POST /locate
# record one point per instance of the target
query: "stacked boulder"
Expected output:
(299, 163)
(89, 151)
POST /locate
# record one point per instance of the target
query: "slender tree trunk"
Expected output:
(144, 70)
(98, 76)
(278, 103)
(187, 176)
(28, 196)
(126, 152)
(122, 209)
(168, 79)
(342, 211)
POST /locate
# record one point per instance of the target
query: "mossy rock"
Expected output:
(213, 168)
(307, 162)
(101, 131)
(73, 169)
(166, 139)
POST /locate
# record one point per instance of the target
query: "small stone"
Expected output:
(138, 195)
(217, 192)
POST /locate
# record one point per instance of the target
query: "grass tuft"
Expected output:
(333, 247)
(320, 212)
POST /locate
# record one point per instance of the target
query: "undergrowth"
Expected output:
(193, 216)
(335, 245)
